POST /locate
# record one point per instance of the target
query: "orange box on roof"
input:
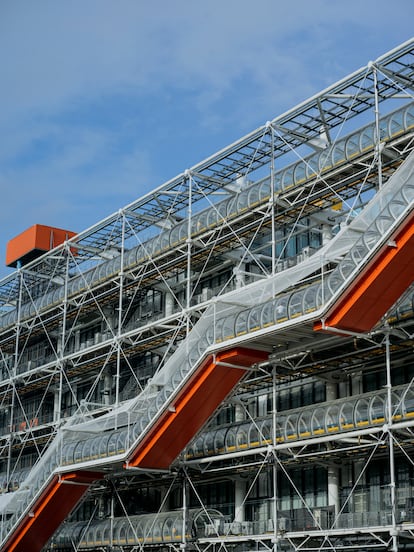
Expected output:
(33, 242)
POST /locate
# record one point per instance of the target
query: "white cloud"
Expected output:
(56, 52)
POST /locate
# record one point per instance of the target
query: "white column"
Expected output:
(239, 497)
(107, 387)
(333, 488)
(164, 501)
(326, 233)
(169, 303)
(239, 276)
(333, 472)
(357, 386)
(331, 391)
(239, 413)
(56, 404)
(77, 340)
(239, 484)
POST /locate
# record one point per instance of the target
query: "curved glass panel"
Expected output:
(397, 407)
(396, 123)
(120, 531)
(359, 252)
(213, 217)
(103, 445)
(290, 426)
(222, 209)
(312, 166)
(266, 432)
(280, 309)
(175, 236)
(156, 534)
(202, 221)
(318, 421)
(220, 440)
(332, 418)
(242, 201)
(287, 178)
(113, 444)
(253, 319)
(362, 412)
(67, 453)
(83, 451)
(241, 323)
(377, 410)
(231, 440)
(227, 330)
(253, 196)
(219, 329)
(177, 529)
(352, 147)
(253, 438)
(198, 446)
(366, 138)
(167, 529)
(310, 299)
(296, 303)
(408, 403)
(265, 190)
(122, 441)
(267, 317)
(136, 531)
(241, 438)
(98, 535)
(209, 444)
(182, 232)
(232, 207)
(338, 153)
(304, 424)
(299, 173)
(346, 416)
(347, 267)
(106, 535)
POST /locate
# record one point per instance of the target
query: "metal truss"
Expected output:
(85, 326)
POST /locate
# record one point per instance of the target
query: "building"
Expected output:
(226, 363)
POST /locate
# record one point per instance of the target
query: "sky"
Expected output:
(103, 100)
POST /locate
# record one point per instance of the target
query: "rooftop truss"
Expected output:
(390, 77)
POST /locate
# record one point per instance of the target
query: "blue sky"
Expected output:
(103, 100)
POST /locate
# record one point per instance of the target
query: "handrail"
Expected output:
(345, 415)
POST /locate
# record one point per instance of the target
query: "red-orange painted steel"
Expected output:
(50, 510)
(35, 240)
(212, 382)
(196, 402)
(385, 278)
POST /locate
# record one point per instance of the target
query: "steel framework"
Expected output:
(220, 346)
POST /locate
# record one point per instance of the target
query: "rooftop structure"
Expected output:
(227, 361)
(33, 242)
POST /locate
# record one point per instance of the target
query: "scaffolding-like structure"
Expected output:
(226, 363)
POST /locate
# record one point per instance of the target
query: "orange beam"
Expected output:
(194, 405)
(49, 511)
(378, 287)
